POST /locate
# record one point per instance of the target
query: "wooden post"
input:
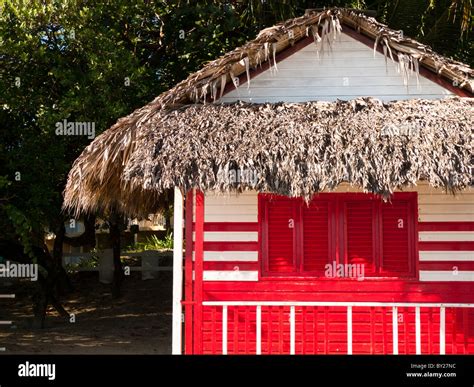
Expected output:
(442, 330)
(395, 329)
(177, 271)
(349, 330)
(188, 275)
(417, 330)
(198, 269)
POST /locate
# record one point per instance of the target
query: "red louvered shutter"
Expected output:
(395, 238)
(315, 236)
(359, 224)
(281, 223)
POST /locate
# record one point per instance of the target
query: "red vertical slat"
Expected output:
(326, 330)
(360, 230)
(247, 331)
(280, 329)
(372, 330)
(236, 330)
(281, 220)
(303, 333)
(315, 330)
(213, 330)
(395, 238)
(465, 322)
(454, 315)
(430, 331)
(188, 275)
(406, 313)
(198, 268)
(315, 236)
(269, 337)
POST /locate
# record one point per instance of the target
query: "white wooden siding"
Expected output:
(433, 205)
(455, 256)
(446, 236)
(231, 256)
(230, 275)
(231, 208)
(448, 276)
(348, 71)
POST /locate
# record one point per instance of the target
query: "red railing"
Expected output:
(292, 327)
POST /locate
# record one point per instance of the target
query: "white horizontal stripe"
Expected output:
(229, 236)
(448, 276)
(440, 198)
(213, 199)
(232, 217)
(446, 255)
(465, 217)
(448, 208)
(230, 275)
(446, 236)
(336, 303)
(230, 208)
(227, 256)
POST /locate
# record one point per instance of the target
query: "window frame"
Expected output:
(337, 242)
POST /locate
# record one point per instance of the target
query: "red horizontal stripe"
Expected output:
(446, 226)
(445, 265)
(230, 265)
(446, 246)
(230, 226)
(230, 246)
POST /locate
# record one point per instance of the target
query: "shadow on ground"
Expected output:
(137, 323)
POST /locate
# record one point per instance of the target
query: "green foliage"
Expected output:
(153, 243)
(89, 263)
(98, 60)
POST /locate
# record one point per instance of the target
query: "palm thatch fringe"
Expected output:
(294, 149)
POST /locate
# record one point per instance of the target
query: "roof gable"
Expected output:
(346, 70)
(207, 84)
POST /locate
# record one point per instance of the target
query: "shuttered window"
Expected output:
(360, 234)
(396, 232)
(281, 235)
(302, 239)
(316, 236)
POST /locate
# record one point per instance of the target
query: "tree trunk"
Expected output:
(118, 269)
(46, 288)
(64, 284)
(40, 305)
(167, 215)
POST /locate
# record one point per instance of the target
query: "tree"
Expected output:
(93, 61)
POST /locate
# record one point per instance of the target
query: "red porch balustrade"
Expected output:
(238, 327)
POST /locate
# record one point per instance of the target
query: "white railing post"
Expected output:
(395, 329)
(177, 272)
(349, 330)
(224, 330)
(417, 330)
(259, 330)
(442, 330)
(349, 308)
(292, 330)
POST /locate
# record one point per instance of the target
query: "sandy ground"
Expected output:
(137, 323)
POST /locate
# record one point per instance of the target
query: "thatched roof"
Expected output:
(292, 149)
